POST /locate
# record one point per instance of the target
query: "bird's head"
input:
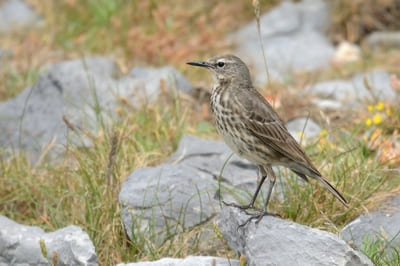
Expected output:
(226, 69)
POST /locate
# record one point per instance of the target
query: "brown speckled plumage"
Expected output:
(250, 126)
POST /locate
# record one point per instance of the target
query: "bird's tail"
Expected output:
(333, 190)
(304, 170)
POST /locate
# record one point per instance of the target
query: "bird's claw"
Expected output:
(257, 216)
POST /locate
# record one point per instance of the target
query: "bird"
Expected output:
(253, 130)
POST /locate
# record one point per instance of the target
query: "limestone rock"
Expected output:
(383, 224)
(383, 39)
(17, 14)
(274, 241)
(303, 127)
(183, 192)
(80, 91)
(351, 93)
(20, 245)
(188, 261)
(293, 38)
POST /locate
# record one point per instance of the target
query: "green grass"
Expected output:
(83, 189)
(15, 80)
(380, 250)
(344, 162)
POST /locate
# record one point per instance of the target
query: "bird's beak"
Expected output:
(199, 63)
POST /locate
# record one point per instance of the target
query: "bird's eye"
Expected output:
(220, 64)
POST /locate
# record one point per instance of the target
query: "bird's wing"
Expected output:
(264, 122)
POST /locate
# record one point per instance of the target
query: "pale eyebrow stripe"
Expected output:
(225, 60)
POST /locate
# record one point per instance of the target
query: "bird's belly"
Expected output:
(235, 133)
(241, 141)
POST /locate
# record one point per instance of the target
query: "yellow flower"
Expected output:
(370, 108)
(377, 119)
(368, 122)
(389, 111)
(300, 134)
(323, 133)
(380, 106)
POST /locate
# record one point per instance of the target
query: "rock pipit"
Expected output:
(253, 130)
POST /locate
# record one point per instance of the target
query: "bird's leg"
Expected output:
(259, 214)
(271, 186)
(253, 199)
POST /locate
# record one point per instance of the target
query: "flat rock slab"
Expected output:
(80, 91)
(184, 192)
(383, 39)
(361, 88)
(293, 38)
(188, 261)
(383, 224)
(209, 156)
(274, 241)
(20, 245)
(15, 14)
(303, 128)
(164, 200)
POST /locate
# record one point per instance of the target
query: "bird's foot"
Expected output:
(257, 216)
(241, 207)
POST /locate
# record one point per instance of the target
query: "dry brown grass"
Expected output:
(131, 32)
(353, 20)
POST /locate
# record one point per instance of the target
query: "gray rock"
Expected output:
(327, 104)
(173, 79)
(188, 261)
(293, 40)
(161, 201)
(383, 224)
(183, 193)
(377, 83)
(82, 91)
(34, 118)
(209, 156)
(303, 126)
(17, 14)
(383, 39)
(274, 241)
(360, 88)
(20, 245)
